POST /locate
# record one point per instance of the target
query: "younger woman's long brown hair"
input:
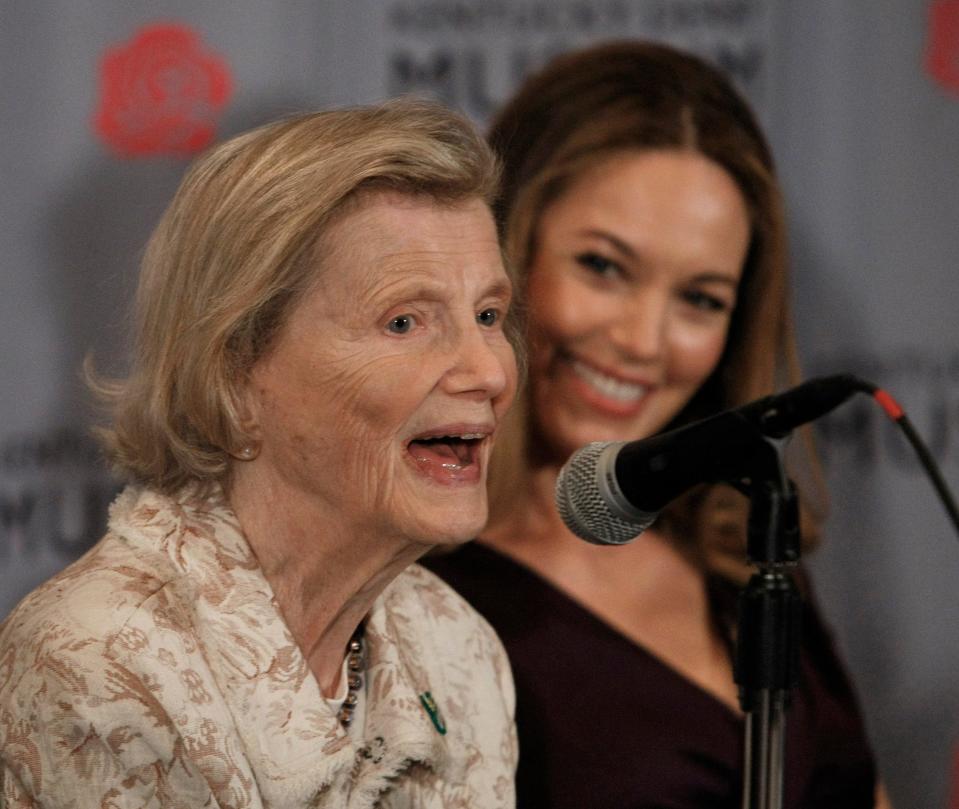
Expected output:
(582, 109)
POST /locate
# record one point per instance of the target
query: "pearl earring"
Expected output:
(248, 453)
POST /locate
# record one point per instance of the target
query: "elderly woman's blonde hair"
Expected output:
(235, 251)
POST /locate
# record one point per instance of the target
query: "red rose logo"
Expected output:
(161, 93)
(942, 54)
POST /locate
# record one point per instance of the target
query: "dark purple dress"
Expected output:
(603, 723)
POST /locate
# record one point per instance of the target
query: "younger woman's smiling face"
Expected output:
(631, 289)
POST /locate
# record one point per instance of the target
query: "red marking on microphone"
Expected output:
(887, 403)
(161, 93)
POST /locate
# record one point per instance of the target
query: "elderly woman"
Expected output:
(320, 369)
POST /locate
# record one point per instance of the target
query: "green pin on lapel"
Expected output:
(433, 710)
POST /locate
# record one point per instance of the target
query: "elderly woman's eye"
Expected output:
(488, 317)
(402, 324)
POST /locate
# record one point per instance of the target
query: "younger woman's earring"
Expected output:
(248, 452)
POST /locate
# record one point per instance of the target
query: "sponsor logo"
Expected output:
(54, 493)
(161, 93)
(942, 47)
(471, 54)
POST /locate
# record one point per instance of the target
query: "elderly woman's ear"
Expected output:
(246, 451)
(248, 437)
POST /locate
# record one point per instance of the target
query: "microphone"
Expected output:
(609, 492)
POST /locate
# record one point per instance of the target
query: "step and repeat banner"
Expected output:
(104, 103)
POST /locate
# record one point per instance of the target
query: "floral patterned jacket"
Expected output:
(156, 671)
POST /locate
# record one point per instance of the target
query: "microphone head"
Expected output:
(589, 499)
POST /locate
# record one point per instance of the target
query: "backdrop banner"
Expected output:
(861, 101)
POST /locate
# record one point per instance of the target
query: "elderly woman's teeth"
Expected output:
(453, 454)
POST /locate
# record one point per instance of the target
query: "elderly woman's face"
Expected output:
(379, 400)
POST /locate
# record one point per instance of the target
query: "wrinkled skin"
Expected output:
(401, 335)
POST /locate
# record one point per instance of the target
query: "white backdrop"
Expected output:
(861, 99)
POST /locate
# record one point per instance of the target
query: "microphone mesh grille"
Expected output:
(582, 505)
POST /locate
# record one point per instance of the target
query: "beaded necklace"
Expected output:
(354, 678)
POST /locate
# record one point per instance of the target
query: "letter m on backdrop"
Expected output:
(432, 74)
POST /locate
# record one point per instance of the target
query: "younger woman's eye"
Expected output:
(401, 324)
(598, 264)
(705, 301)
(488, 317)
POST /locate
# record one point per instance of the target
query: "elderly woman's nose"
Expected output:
(481, 361)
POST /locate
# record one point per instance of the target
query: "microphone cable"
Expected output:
(898, 416)
(609, 492)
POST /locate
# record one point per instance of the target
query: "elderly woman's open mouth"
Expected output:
(449, 454)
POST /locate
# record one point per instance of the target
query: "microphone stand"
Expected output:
(770, 615)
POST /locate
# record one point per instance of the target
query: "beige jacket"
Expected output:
(157, 672)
